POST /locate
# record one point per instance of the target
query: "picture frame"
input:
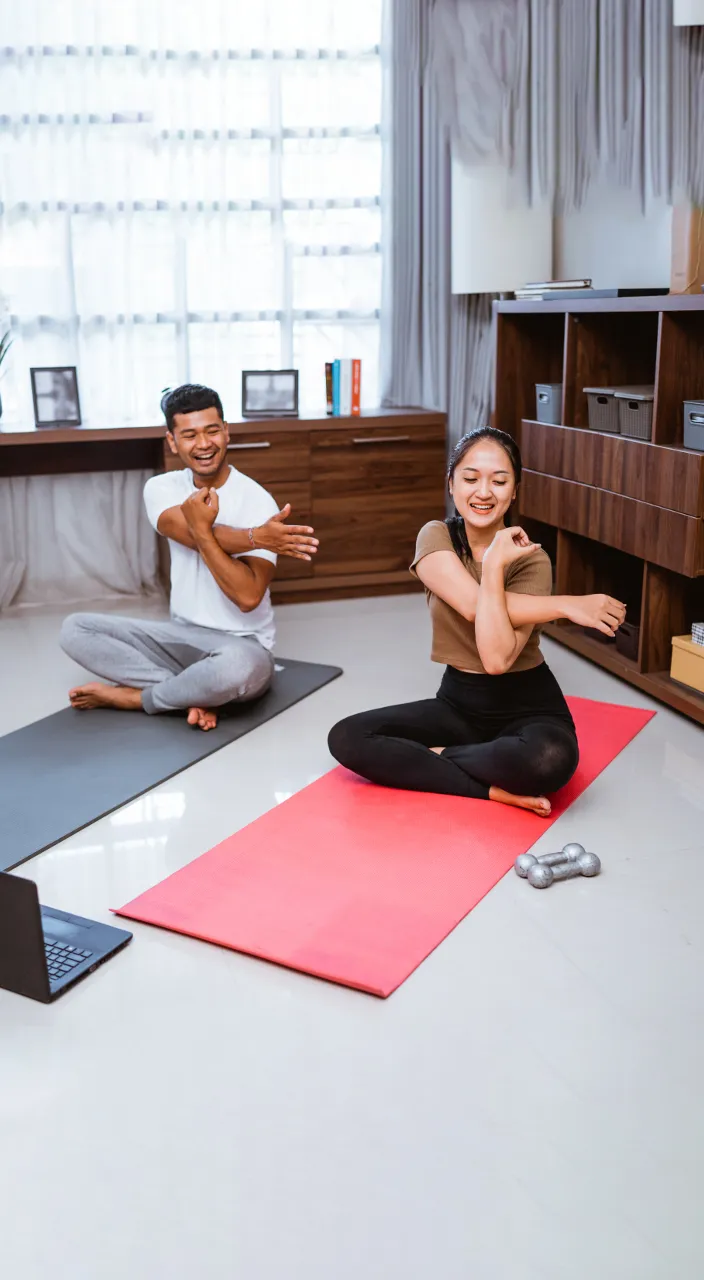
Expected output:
(270, 393)
(55, 396)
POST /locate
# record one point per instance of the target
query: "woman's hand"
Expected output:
(508, 545)
(600, 612)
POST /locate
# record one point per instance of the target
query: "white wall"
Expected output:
(688, 13)
(611, 240)
(497, 245)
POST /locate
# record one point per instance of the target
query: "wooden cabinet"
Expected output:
(372, 491)
(663, 477)
(663, 537)
(366, 485)
(618, 515)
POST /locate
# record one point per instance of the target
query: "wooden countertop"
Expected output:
(94, 434)
(649, 302)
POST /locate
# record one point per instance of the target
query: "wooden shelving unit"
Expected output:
(617, 515)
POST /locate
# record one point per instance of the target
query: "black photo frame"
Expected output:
(55, 396)
(270, 393)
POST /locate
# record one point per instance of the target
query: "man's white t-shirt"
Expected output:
(195, 595)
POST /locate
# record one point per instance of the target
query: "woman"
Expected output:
(499, 728)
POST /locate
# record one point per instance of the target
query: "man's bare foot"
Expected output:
(87, 696)
(202, 717)
(538, 805)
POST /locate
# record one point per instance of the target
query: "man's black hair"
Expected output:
(188, 399)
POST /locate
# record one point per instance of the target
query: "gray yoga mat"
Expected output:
(62, 773)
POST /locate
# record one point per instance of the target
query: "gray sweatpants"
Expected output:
(176, 664)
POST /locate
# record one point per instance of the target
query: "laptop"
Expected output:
(43, 952)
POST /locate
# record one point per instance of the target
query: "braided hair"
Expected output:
(455, 523)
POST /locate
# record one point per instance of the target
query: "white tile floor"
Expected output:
(528, 1106)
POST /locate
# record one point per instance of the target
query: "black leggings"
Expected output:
(513, 731)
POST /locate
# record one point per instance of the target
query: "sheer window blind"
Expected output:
(188, 190)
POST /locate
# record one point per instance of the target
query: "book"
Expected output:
(356, 387)
(557, 284)
(568, 294)
(530, 295)
(328, 387)
(336, 388)
(345, 388)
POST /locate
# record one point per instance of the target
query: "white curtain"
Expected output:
(568, 92)
(189, 190)
(439, 350)
(67, 539)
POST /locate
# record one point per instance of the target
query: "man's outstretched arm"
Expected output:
(295, 541)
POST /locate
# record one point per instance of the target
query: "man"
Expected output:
(225, 532)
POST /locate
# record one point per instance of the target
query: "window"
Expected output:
(189, 190)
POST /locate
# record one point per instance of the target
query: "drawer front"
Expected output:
(658, 475)
(372, 492)
(667, 538)
(364, 461)
(265, 456)
(298, 494)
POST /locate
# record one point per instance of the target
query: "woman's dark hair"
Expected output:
(188, 399)
(455, 523)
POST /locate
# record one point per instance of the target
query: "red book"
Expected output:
(356, 387)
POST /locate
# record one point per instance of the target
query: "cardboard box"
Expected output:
(687, 269)
(688, 663)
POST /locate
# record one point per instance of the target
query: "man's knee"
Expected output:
(74, 629)
(240, 678)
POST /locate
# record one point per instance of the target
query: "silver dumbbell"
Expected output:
(541, 877)
(525, 861)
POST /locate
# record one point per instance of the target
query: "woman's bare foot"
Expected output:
(87, 696)
(202, 717)
(538, 805)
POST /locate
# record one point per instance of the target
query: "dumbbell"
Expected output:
(525, 861)
(541, 876)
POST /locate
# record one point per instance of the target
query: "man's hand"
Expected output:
(292, 540)
(199, 512)
(600, 612)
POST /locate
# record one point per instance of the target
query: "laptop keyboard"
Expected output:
(62, 959)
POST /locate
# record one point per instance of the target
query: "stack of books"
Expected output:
(548, 289)
(553, 289)
(343, 383)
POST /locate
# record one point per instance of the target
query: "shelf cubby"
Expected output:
(680, 373)
(530, 349)
(603, 351)
(584, 567)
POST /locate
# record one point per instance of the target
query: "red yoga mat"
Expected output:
(357, 883)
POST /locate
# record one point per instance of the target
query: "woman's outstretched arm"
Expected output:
(443, 573)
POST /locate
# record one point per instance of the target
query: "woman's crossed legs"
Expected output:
(431, 746)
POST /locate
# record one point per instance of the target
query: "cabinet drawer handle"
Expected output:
(380, 439)
(250, 444)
